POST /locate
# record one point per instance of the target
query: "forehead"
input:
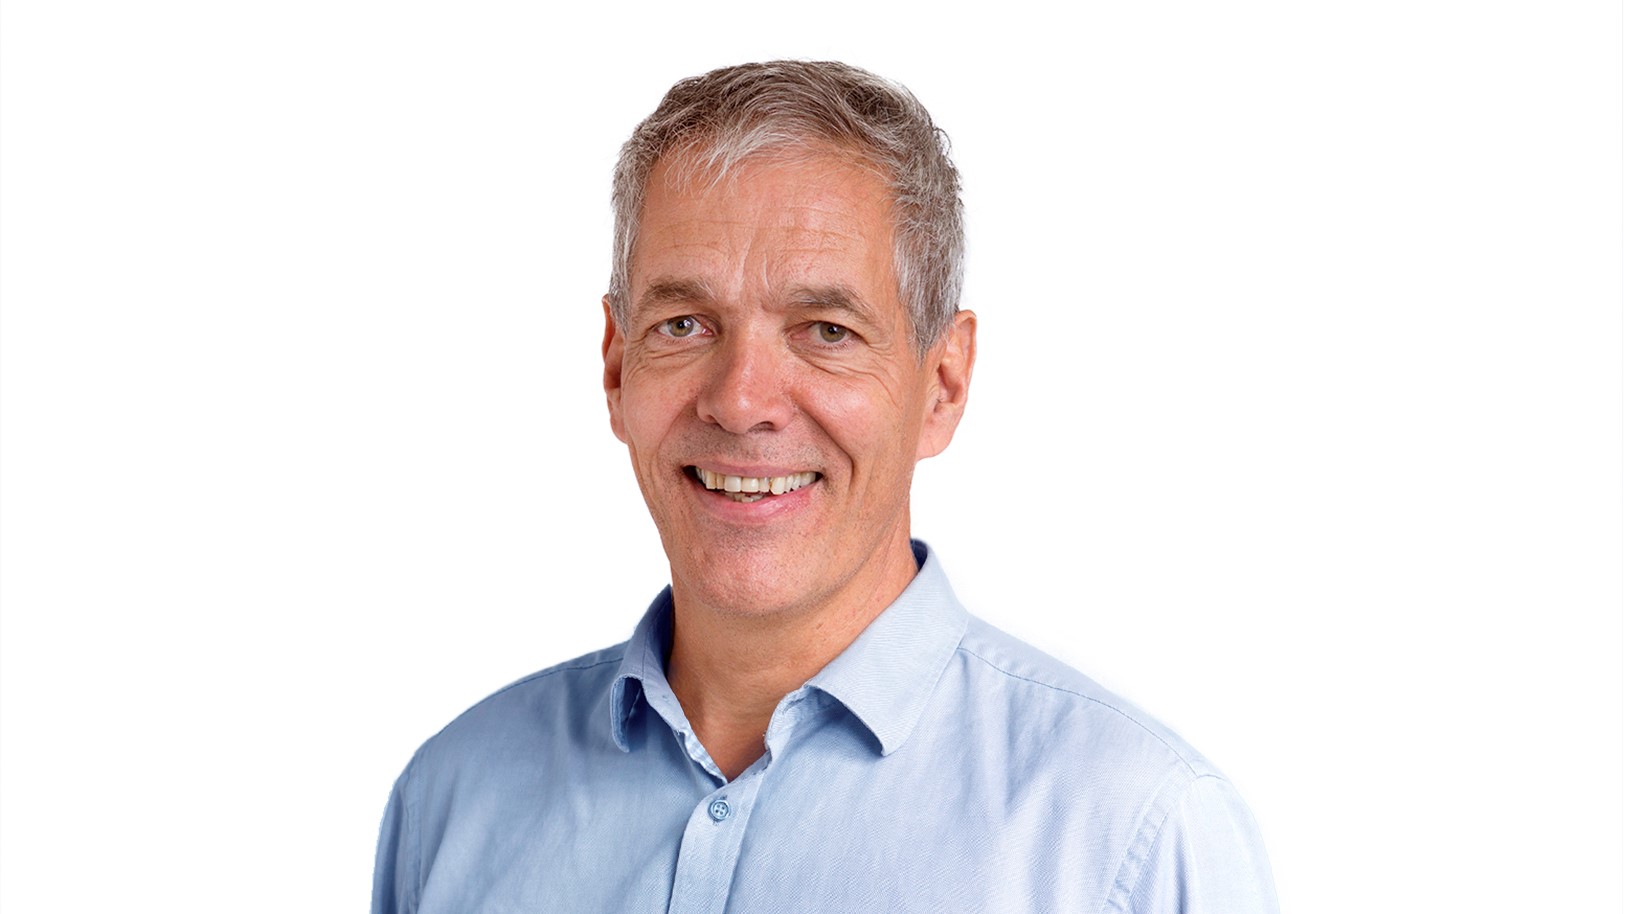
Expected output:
(766, 225)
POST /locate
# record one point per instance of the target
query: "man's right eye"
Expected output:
(680, 326)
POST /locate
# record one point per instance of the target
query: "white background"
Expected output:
(1297, 420)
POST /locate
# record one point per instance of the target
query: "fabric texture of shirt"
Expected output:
(937, 764)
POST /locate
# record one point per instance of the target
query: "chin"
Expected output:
(748, 584)
(758, 596)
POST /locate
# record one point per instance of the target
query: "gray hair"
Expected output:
(726, 116)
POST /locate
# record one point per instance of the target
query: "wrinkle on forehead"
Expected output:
(782, 237)
(686, 174)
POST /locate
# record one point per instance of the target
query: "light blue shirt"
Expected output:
(937, 764)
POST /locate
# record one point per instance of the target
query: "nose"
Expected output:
(746, 387)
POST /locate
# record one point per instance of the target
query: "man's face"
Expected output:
(766, 351)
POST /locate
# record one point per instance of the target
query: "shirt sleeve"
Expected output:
(1207, 858)
(394, 873)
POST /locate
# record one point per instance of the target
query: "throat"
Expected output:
(730, 719)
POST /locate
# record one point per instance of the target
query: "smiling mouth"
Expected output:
(751, 488)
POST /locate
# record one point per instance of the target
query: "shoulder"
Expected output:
(1038, 686)
(1110, 768)
(518, 741)
(529, 717)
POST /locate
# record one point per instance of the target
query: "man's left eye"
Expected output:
(680, 326)
(831, 333)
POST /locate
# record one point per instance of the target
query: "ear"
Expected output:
(954, 357)
(614, 348)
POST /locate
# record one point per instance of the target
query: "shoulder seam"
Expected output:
(1122, 889)
(409, 828)
(1090, 698)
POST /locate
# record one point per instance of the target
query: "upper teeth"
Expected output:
(778, 485)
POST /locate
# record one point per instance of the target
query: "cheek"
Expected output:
(649, 408)
(869, 425)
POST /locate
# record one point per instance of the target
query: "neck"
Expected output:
(729, 668)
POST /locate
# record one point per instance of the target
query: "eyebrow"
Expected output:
(837, 297)
(834, 298)
(671, 291)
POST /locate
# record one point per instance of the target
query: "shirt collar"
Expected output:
(642, 673)
(888, 674)
(884, 677)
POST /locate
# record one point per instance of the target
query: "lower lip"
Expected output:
(762, 509)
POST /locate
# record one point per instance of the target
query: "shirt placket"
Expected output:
(709, 854)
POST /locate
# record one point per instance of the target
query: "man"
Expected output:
(806, 720)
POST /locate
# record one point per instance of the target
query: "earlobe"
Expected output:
(951, 384)
(613, 349)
